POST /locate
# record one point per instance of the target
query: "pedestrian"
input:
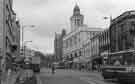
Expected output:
(53, 69)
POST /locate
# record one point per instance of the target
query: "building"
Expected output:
(9, 28)
(94, 48)
(122, 32)
(76, 19)
(58, 45)
(73, 42)
(18, 28)
(16, 34)
(104, 45)
(91, 46)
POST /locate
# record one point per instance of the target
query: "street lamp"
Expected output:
(25, 42)
(24, 26)
(110, 18)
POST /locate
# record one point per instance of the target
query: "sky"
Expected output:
(50, 16)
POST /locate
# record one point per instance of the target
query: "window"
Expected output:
(78, 21)
(80, 53)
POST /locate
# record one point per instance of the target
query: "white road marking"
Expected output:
(86, 80)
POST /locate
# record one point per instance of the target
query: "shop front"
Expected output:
(80, 63)
(68, 64)
(97, 63)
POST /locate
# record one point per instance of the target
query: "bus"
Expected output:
(120, 66)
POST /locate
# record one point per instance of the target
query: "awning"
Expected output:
(81, 59)
(104, 53)
(76, 60)
(84, 60)
(98, 59)
(69, 62)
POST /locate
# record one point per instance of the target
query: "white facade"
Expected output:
(76, 19)
(94, 46)
(74, 42)
(91, 46)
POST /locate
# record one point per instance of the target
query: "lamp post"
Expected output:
(110, 18)
(24, 26)
(25, 42)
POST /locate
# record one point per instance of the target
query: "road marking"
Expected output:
(86, 80)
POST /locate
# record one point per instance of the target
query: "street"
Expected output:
(70, 77)
(86, 41)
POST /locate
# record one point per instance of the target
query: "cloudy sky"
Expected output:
(51, 16)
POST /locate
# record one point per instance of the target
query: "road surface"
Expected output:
(70, 77)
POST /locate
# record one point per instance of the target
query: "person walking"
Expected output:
(53, 69)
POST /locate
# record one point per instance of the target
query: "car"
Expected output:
(27, 65)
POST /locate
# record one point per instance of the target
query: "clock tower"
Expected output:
(76, 19)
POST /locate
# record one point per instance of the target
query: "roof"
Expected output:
(123, 15)
(83, 29)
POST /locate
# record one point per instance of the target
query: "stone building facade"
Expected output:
(58, 45)
(73, 42)
(91, 47)
(76, 19)
(122, 32)
(104, 39)
(9, 33)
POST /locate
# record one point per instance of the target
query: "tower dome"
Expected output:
(76, 19)
(76, 8)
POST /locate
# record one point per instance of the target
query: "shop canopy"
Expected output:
(81, 60)
(98, 59)
(68, 62)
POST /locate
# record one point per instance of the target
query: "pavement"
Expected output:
(9, 78)
(60, 77)
(14, 77)
(70, 77)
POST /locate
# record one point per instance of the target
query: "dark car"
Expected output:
(27, 65)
